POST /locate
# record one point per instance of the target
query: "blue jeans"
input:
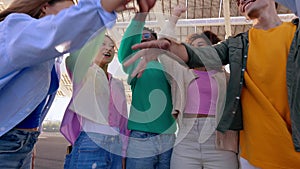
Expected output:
(149, 150)
(94, 150)
(16, 149)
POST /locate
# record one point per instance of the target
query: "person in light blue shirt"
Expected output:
(293, 5)
(31, 32)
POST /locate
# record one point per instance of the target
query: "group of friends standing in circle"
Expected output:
(174, 84)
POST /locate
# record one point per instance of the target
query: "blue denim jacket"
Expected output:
(28, 51)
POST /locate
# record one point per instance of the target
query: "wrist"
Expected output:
(166, 39)
(140, 16)
(166, 46)
(173, 19)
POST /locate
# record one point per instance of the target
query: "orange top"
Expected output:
(266, 140)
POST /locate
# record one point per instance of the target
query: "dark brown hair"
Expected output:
(209, 37)
(151, 31)
(29, 7)
(213, 38)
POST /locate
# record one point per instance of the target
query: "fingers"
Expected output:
(138, 71)
(144, 45)
(139, 74)
(161, 44)
(145, 55)
(134, 58)
(124, 7)
(146, 5)
(143, 6)
(180, 8)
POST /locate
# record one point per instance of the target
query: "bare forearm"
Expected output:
(111, 5)
(179, 50)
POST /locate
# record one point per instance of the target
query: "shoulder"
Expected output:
(18, 17)
(240, 35)
(14, 22)
(237, 40)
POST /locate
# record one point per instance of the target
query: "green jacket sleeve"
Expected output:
(132, 36)
(209, 56)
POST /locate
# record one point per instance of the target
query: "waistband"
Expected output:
(187, 115)
(27, 129)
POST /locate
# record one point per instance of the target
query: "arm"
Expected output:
(293, 5)
(26, 41)
(211, 57)
(132, 36)
(176, 13)
(111, 5)
(168, 30)
(208, 56)
(151, 50)
(133, 32)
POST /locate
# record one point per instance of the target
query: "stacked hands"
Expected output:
(144, 5)
(178, 10)
(152, 49)
(157, 45)
(149, 51)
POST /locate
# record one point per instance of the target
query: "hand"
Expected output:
(124, 7)
(146, 5)
(150, 51)
(145, 56)
(115, 5)
(161, 44)
(178, 10)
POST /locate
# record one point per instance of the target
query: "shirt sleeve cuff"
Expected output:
(108, 18)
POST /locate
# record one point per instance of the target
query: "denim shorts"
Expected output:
(95, 151)
(149, 150)
(16, 148)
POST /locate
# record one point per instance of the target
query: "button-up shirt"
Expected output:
(28, 50)
(98, 105)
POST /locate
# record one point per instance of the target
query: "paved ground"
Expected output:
(50, 151)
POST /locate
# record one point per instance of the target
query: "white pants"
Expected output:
(193, 152)
(245, 164)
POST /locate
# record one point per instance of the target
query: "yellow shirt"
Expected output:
(266, 140)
